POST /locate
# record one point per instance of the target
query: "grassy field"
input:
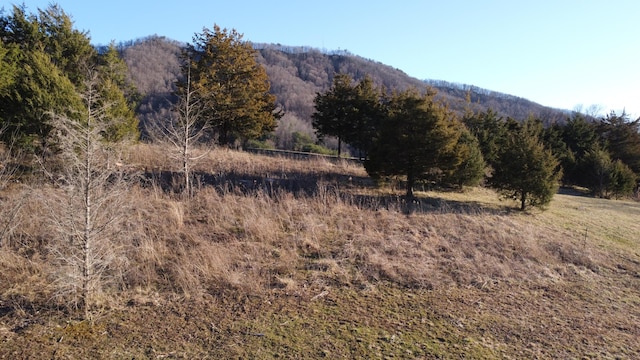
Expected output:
(277, 258)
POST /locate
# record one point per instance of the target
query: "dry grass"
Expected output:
(223, 160)
(489, 274)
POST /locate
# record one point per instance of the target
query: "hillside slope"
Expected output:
(297, 74)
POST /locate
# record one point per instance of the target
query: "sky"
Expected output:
(559, 53)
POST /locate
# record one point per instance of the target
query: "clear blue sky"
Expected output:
(559, 53)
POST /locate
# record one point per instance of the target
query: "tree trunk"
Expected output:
(410, 182)
(523, 201)
(185, 163)
(86, 237)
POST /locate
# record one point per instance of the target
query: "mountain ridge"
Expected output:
(298, 73)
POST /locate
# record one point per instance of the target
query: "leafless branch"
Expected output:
(88, 203)
(181, 132)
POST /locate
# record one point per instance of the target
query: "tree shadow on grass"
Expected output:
(314, 184)
(574, 192)
(294, 182)
(423, 205)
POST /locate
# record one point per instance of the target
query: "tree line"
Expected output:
(413, 134)
(44, 62)
(600, 155)
(296, 74)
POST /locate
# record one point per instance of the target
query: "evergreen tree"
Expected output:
(70, 49)
(362, 127)
(39, 88)
(416, 139)
(21, 29)
(113, 88)
(525, 170)
(606, 177)
(49, 59)
(579, 137)
(50, 31)
(622, 180)
(334, 109)
(490, 130)
(349, 112)
(621, 138)
(553, 139)
(232, 87)
(8, 69)
(595, 168)
(471, 169)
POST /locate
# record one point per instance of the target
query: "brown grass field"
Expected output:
(278, 258)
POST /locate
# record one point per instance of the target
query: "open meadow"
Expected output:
(281, 258)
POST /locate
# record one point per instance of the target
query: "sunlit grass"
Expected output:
(465, 273)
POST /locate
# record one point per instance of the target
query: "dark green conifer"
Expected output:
(525, 170)
(231, 86)
(416, 139)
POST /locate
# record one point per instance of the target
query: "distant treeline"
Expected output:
(299, 49)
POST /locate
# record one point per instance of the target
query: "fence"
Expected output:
(300, 155)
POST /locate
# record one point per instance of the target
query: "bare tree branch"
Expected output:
(89, 201)
(183, 130)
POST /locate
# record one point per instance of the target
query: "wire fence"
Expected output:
(301, 155)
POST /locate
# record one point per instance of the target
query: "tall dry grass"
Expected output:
(223, 160)
(305, 242)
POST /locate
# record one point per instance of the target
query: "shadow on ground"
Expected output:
(310, 184)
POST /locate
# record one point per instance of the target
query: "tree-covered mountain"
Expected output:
(298, 73)
(293, 66)
(154, 68)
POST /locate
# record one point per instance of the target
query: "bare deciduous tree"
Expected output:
(182, 132)
(88, 203)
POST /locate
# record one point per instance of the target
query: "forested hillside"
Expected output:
(154, 68)
(298, 73)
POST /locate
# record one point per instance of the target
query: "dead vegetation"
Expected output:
(337, 270)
